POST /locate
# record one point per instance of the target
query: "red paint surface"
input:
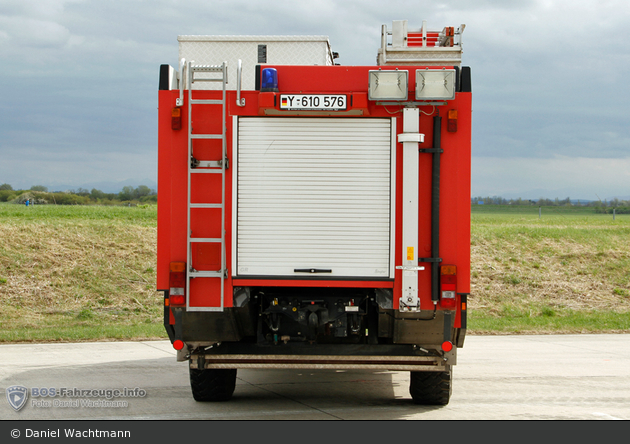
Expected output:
(353, 81)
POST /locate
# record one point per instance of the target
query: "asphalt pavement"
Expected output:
(533, 377)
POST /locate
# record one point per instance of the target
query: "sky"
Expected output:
(78, 105)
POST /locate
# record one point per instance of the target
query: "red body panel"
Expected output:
(353, 81)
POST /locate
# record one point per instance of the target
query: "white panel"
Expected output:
(410, 194)
(314, 193)
(281, 50)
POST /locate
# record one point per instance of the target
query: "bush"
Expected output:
(128, 196)
(149, 199)
(7, 195)
(70, 199)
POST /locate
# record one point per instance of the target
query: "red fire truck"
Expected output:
(312, 215)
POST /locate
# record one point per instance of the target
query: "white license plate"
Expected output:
(313, 102)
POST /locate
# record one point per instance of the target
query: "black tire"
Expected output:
(212, 385)
(431, 388)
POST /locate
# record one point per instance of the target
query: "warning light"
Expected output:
(178, 344)
(269, 80)
(447, 346)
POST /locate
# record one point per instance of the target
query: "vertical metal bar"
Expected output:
(239, 101)
(424, 33)
(182, 67)
(410, 193)
(435, 210)
(223, 162)
(383, 45)
(234, 224)
(392, 200)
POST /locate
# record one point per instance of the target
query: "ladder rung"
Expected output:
(206, 102)
(194, 171)
(206, 136)
(207, 68)
(207, 80)
(209, 164)
(206, 239)
(206, 274)
(205, 205)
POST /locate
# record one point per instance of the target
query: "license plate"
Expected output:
(313, 102)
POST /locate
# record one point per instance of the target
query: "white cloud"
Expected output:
(29, 32)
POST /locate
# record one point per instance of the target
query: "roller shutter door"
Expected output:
(313, 194)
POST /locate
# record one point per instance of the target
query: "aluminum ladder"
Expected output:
(206, 73)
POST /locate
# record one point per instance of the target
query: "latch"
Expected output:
(409, 300)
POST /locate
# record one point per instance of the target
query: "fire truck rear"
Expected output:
(312, 215)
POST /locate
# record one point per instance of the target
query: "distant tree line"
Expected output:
(39, 194)
(604, 207)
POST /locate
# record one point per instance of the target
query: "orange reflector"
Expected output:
(463, 305)
(176, 118)
(178, 344)
(447, 346)
(177, 267)
(451, 121)
(448, 269)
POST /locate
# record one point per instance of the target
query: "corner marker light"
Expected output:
(435, 84)
(388, 85)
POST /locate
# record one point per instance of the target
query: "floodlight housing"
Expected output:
(435, 84)
(388, 85)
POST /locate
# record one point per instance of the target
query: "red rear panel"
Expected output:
(353, 82)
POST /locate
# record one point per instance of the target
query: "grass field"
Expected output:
(78, 273)
(72, 273)
(565, 269)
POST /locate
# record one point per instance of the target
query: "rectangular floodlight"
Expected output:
(435, 84)
(388, 85)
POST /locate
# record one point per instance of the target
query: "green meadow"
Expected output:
(549, 270)
(76, 273)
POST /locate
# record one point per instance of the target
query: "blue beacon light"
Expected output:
(269, 80)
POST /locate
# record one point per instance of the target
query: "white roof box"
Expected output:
(253, 50)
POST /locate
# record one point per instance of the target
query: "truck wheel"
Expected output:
(431, 388)
(212, 384)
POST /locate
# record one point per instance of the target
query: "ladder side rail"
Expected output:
(384, 35)
(424, 33)
(223, 164)
(189, 197)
